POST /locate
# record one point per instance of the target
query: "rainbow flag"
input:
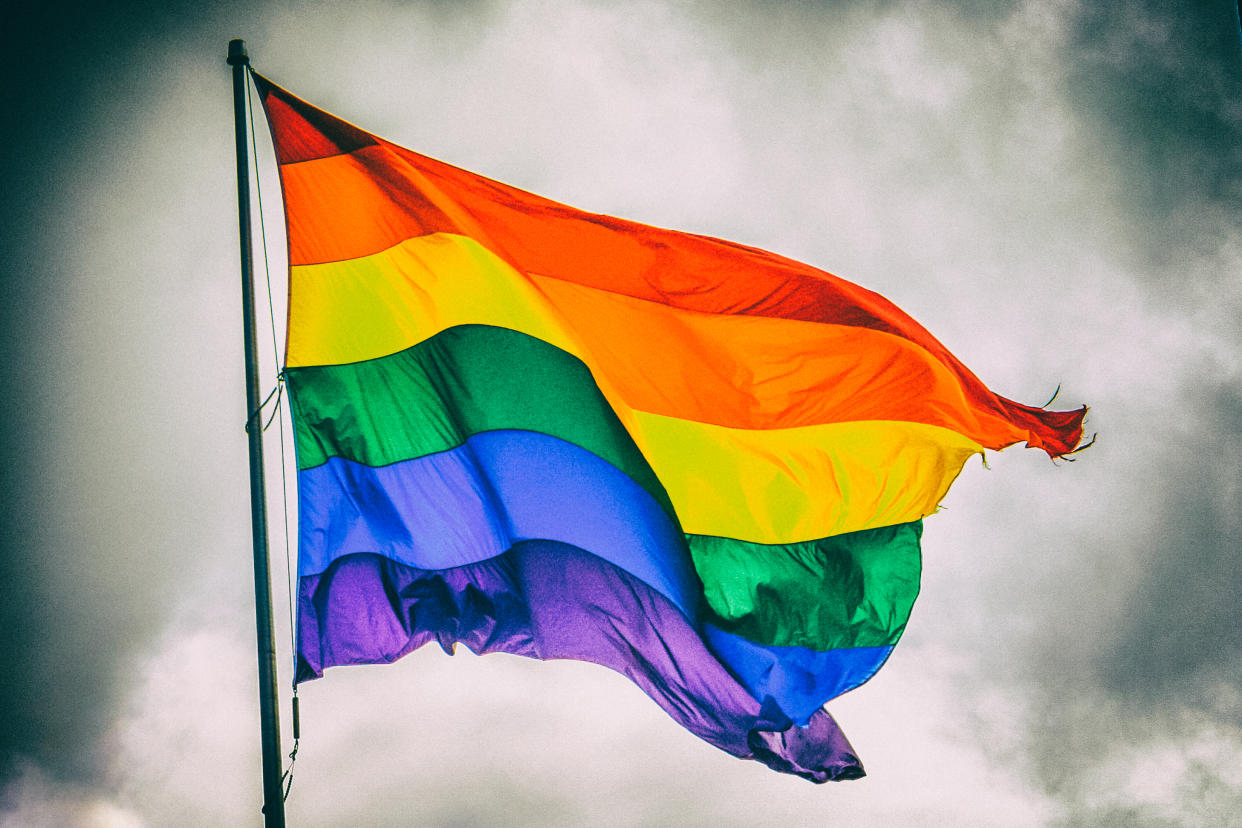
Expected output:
(531, 429)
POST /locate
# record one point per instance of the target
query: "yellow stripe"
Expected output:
(768, 486)
(373, 306)
(796, 484)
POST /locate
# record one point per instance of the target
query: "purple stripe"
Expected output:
(551, 600)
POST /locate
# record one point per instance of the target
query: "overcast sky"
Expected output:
(1054, 188)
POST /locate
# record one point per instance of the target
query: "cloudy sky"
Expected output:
(1053, 187)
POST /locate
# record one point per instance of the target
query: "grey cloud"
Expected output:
(1156, 666)
(85, 519)
(1040, 165)
(1163, 88)
(1183, 634)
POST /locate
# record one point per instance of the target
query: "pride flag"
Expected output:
(531, 429)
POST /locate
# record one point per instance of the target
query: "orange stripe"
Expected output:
(347, 203)
(749, 372)
(759, 372)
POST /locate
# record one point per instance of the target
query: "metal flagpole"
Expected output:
(269, 718)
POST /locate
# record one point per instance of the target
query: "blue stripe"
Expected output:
(475, 501)
(801, 681)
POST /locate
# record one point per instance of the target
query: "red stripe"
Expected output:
(367, 198)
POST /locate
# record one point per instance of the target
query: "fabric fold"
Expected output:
(553, 601)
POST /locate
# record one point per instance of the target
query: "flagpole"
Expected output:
(269, 718)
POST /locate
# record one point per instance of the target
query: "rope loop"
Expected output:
(254, 415)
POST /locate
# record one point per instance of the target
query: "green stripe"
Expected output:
(465, 380)
(851, 590)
